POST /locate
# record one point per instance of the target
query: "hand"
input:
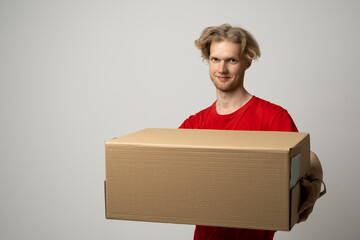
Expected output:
(310, 191)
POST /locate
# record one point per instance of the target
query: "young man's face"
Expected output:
(226, 66)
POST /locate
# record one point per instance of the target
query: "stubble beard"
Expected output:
(227, 86)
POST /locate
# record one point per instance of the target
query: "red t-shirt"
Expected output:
(256, 115)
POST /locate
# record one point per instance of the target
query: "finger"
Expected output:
(305, 183)
(304, 216)
(310, 197)
(306, 205)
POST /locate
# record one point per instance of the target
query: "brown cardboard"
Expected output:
(206, 177)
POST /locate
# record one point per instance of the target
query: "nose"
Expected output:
(222, 67)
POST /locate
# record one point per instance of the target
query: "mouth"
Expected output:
(223, 78)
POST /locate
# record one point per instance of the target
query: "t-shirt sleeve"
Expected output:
(186, 124)
(283, 122)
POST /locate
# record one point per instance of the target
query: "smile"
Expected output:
(223, 78)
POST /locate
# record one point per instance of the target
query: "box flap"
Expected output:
(215, 139)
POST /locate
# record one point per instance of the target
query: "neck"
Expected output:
(229, 102)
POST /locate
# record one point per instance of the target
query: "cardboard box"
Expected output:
(243, 179)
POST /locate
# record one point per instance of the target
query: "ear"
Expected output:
(248, 63)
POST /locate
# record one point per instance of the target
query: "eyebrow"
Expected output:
(233, 57)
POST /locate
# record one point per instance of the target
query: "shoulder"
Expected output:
(275, 117)
(266, 106)
(194, 121)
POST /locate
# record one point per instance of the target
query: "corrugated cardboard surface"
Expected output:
(204, 177)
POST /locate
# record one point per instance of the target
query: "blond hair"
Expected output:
(249, 47)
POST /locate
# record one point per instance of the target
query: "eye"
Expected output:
(214, 59)
(233, 60)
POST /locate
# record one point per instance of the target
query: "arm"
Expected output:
(311, 189)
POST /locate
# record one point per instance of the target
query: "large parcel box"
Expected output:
(243, 179)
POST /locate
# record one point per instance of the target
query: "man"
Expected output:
(229, 51)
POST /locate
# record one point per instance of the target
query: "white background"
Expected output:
(76, 73)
